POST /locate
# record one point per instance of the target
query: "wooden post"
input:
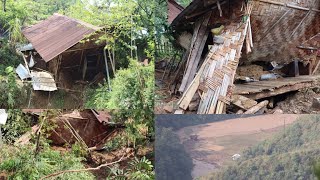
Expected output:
(107, 68)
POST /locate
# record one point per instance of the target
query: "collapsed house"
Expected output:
(221, 38)
(62, 51)
(90, 127)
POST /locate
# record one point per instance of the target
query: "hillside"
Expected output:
(288, 155)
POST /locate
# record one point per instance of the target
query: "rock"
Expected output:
(193, 106)
(168, 108)
(316, 103)
(196, 97)
(179, 111)
(278, 111)
(271, 103)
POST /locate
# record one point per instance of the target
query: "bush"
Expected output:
(141, 169)
(17, 124)
(8, 57)
(132, 98)
(20, 163)
(14, 95)
(288, 155)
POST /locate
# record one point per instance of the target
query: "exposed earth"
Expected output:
(212, 145)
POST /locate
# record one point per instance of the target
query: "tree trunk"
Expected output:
(4, 5)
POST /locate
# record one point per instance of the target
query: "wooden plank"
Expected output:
(279, 91)
(203, 36)
(317, 66)
(243, 102)
(257, 107)
(191, 90)
(289, 5)
(196, 42)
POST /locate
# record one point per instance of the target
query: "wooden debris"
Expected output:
(264, 89)
(199, 39)
(316, 67)
(218, 70)
(257, 107)
(179, 111)
(290, 5)
(243, 102)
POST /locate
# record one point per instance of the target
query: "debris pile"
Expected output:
(222, 71)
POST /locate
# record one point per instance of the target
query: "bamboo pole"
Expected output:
(289, 5)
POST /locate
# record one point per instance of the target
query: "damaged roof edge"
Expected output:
(56, 34)
(194, 5)
(174, 9)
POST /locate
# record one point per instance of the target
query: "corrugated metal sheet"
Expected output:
(174, 9)
(56, 34)
(3, 117)
(22, 72)
(102, 116)
(43, 81)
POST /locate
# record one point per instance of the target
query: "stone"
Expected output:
(316, 103)
(168, 108)
(193, 106)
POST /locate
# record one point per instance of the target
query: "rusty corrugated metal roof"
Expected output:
(174, 9)
(56, 34)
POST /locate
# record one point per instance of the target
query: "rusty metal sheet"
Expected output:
(174, 9)
(102, 116)
(56, 34)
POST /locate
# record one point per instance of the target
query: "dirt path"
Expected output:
(216, 142)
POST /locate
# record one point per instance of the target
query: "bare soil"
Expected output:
(300, 102)
(254, 71)
(218, 141)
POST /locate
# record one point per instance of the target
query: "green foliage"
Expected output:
(317, 170)
(184, 3)
(289, 155)
(20, 163)
(27, 12)
(136, 169)
(17, 124)
(8, 57)
(116, 143)
(133, 98)
(78, 150)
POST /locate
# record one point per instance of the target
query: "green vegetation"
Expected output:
(17, 124)
(38, 159)
(21, 163)
(14, 95)
(132, 96)
(289, 155)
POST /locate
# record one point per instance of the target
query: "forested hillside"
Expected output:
(291, 154)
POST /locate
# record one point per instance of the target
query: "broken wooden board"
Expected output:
(263, 89)
(243, 102)
(200, 36)
(257, 107)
